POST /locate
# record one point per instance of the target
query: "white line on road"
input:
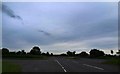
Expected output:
(93, 66)
(61, 65)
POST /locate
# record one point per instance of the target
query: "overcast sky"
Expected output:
(59, 27)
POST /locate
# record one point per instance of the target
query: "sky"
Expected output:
(60, 26)
(60, 0)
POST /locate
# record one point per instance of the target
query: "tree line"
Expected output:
(37, 51)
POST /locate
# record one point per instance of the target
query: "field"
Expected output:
(10, 67)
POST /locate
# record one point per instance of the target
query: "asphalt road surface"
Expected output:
(61, 64)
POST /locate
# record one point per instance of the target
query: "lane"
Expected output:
(93, 66)
(61, 64)
(74, 66)
(98, 63)
(38, 65)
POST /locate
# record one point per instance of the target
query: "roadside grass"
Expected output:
(110, 60)
(113, 61)
(0, 66)
(75, 58)
(26, 57)
(10, 67)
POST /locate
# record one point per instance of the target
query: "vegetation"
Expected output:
(35, 52)
(118, 52)
(83, 54)
(69, 53)
(72, 58)
(112, 52)
(10, 67)
(5, 51)
(96, 53)
(113, 61)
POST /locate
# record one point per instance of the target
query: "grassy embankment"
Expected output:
(25, 57)
(10, 67)
(111, 60)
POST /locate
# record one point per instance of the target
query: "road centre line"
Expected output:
(61, 65)
(93, 66)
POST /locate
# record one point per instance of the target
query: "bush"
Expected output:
(96, 53)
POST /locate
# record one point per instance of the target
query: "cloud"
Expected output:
(44, 32)
(10, 12)
(60, 26)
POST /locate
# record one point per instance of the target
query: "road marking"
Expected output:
(93, 66)
(61, 65)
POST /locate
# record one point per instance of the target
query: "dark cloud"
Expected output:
(10, 12)
(44, 32)
(58, 25)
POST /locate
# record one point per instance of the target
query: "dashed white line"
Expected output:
(61, 65)
(93, 66)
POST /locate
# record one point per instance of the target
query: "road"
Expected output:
(61, 64)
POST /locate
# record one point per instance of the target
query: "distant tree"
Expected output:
(69, 53)
(108, 55)
(118, 52)
(13, 53)
(43, 53)
(23, 51)
(5, 51)
(28, 53)
(35, 51)
(63, 54)
(84, 54)
(96, 53)
(47, 54)
(19, 52)
(73, 53)
(112, 52)
(51, 54)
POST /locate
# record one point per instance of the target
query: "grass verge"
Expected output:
(10, 67)
(72, 58)
(25, 57)
(114, 61)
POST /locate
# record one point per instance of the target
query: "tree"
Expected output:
(63, 54)
(43, 53)
(84, 54)
(96, 53)
(19, 52)
(118, 52)
(23, 51)
(47, 54)
(5, 51)
(71, 53)
(12, 53)
(112, 52)
(51, 54)
(35, 50)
